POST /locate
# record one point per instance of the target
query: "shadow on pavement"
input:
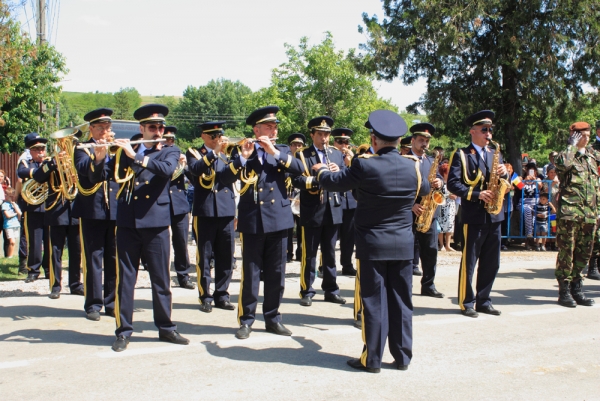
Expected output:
(59, 336)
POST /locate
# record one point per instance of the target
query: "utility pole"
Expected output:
(41, 35)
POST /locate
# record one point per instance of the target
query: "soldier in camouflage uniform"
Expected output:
(577, 168)
(593, 265)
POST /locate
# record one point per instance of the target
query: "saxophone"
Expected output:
(431, 201)
(497, 185)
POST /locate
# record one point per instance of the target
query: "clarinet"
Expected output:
(336, 199)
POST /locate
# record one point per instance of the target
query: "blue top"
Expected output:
(12, 222)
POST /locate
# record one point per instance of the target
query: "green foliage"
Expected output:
(126, 101)
(526, 60)
(41, 68)
(220, 99)
(320, 80)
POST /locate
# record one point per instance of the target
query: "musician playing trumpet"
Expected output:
(426, 248)
(320, 213)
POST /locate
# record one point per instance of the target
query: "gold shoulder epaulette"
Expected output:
(194, 153)
(366, 156)
(411, 157)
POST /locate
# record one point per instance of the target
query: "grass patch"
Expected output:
(9, 269)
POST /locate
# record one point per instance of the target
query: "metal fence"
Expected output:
(520, 216)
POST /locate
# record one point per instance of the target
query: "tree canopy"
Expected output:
(526, 60)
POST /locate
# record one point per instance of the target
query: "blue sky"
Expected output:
(161, 47)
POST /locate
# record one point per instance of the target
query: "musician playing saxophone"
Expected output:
(469, 177)
(426, 249)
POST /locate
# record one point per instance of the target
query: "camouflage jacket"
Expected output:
(578, 175)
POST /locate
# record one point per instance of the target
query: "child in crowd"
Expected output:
(12, 215)
(542, 209)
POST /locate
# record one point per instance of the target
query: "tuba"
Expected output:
(497, 185)
(67, 175)
(431, 201)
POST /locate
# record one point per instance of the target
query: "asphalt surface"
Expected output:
(536, 350)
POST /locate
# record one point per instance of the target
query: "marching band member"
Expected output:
(143, 219)
(320, 214)
(96, 207)
(295, 142)
(180, 221)
(264, 219)
(33, 215)
(213, 211)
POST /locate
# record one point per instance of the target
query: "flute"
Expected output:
(98, 145)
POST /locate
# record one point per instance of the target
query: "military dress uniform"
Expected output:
(96, 208)
(387, 185)
(468, 176)
(62, 228)
(426, 244)
(180, 222)
(577, 215)
(213, 211)
(36, 232)
(264, 218)
(320, 217)
(294, 193)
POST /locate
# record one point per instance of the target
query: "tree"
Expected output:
(526, 60)
(320, 80)
(220, 99)
(126, 101)
(41, 68)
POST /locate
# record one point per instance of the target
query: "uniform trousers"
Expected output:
(58, 236)
(180, 226)
(386, 294)
(346, 236)
(312, 237)
(482, 244)
(290, 246)
(266, 252)
(426, 250)
(37, 236)
(214, 236)
(99, 250)
(154, 243)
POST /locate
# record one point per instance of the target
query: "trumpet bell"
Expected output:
(64, 133)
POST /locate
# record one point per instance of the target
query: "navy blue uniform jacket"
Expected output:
(268, 209)
(95, 206)
(219, 200)
(387, 185)
(468, 176)
(425, 167)
(61, 212)
(149, 204)
(178, 195)
(312, 209)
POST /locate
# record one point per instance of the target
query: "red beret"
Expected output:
(580, 126)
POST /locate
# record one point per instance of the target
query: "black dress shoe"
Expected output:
(173, 337)
(358, 324)
(289, 259)
(488, 310)
(401, 367)
(469, 312)
(306, 301)
(109, 312)
(355, 363)
(187, 284)
(55, 294)
(349, 271)
(431, 293)
(120, 344)
(417, 272)
(77, 292)
(243, 332)
(334, 298)
(224, 305)
(279, 329)
(95, 316)
(30, 279)
(205, 307)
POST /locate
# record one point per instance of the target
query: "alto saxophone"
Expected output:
(497, 185)
(431, 201)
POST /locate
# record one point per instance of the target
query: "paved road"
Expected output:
(536, 350)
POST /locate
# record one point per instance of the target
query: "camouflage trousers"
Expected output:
(575, 240)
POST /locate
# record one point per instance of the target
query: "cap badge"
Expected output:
(324, 124)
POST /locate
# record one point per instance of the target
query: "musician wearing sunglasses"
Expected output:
(213, 212)
(469, 178)
(143, 220)
(320, 214)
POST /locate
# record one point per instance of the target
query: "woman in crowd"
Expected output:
(448, 211)
(553, 199)
(526, 199)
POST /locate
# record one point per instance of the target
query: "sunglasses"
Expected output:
(487, 129)
(215, 135)
(342, 141)
(154, 127)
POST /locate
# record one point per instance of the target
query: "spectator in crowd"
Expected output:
(2, 197)
(552, 190)
(542, 212)
(508, 208)
(11, 226)
(551, 157)
(448, 211)
(527, 198)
